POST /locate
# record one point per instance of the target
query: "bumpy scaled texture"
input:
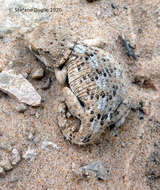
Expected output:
(96, 94)
(94, 90)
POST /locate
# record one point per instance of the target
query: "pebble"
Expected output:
(25, 74)
(114, 6)
(18, 87)
(30, 136)
(37, 115)
(46, 144)
(46, 85)
(30, 155)
(158, 22)
(6, 164)
(98, 168)
(21, 108)
(97, 42)
(6, 146)
(15, 157)
(38, 73)
(36, 139)
(2, 172)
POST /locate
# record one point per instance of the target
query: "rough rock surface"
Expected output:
(18, 87)
(131, 153)
(2, 172)
(97, 168)
(46, 144)
(6, 164)
(16, 158)
(30, 154)
(21, 108)
(38, 73)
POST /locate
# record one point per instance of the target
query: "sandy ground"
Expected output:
(133, 155)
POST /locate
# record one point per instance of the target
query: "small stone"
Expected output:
(16, 158)
(29, 132)
(96, 42)
(37, 115)
(6, 164)
(30, 155)
(152, 166)
(2, 172)
(38, 73)
(98, 168)
(6, 146)
(46, 85)
(114, 6)
(17, 86)
(25, 74)
(30, 136)
(21, 108)
(36, 139)
(10, 64)
(123, 144)
(158, 22)
(46, 144)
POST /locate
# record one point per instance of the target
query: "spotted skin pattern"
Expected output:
(97, 83)
(94, 83)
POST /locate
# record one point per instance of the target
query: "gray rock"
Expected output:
(30, 155)
(46, 144)
(6, 164)
(36, 139)
(46, 85)
(31, 136)
(15, 157)
(25, 74)
(158, 22)
(2, 172)
(38, 73)
(21, 108)
(6, 146)
(17, 86)
(98, 168)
